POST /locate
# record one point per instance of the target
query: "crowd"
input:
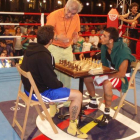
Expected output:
(16, 46)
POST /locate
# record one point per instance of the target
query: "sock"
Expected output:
(53, 110)
(93, 100)
(107, 111)
(74, 121)
(73, 130)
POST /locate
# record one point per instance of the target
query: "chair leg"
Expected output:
(25, 120)
(39, 112)
(47, 115)
(120, 104)
(15, 113)
(135, 97)
(121, 94)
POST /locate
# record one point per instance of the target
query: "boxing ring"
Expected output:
(43, 126)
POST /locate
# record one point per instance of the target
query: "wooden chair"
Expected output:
(29, 103)
(132, 85)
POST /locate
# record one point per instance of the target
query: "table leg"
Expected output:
(81, 84)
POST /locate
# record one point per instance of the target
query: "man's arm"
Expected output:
(122, 70)
(46, 71)
(120, 74)
(130, 21)
(124, 16)
(24, 40)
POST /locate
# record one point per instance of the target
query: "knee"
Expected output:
(75, 95)
(107, 85)
(79, 95)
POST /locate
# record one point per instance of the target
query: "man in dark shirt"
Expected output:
(4, 46)
(9, 41)
(39, 61)
(115, 53)
(133, 32)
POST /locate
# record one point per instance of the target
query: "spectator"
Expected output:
(79, 44)
(94, 40)
(25, 40)
(3, 46)
(132, 18)
(17, 42)
(9, 41)
(101, 28)
(1, 30)
(86, 47)
(35, 28)
(32, 39)
(3, 62)
(87, 31)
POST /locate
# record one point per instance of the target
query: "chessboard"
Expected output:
(80, 67)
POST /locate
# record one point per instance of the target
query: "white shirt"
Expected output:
(18, 45)
(86, 46)
(35, 40)
(94, 40)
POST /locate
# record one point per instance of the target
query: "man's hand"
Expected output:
(134, 24)
(121, 18)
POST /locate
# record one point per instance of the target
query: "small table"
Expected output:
(81, 77)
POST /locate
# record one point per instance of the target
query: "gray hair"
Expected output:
(78, 5)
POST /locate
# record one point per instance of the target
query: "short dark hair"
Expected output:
(32, 33)
(45, 34)
(3, 41)
(114, 34)
(133, 5)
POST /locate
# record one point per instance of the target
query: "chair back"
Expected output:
(135, 66)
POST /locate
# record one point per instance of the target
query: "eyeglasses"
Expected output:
(68, 11)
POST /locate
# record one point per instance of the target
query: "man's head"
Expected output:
(110, 35)
(2, 54)
(72, 7)
(5, 51)
(134, 7)
(29, 30)
(87, 39)
(86, 28)
(6, 31)
(2, 43)
(45, 34)
(93, 31)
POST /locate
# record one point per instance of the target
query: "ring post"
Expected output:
(42, 19)
(112, 18)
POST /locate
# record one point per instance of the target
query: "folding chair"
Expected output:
(132, 85)
(29, 103)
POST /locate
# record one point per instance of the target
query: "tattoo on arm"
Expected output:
(74, 112)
